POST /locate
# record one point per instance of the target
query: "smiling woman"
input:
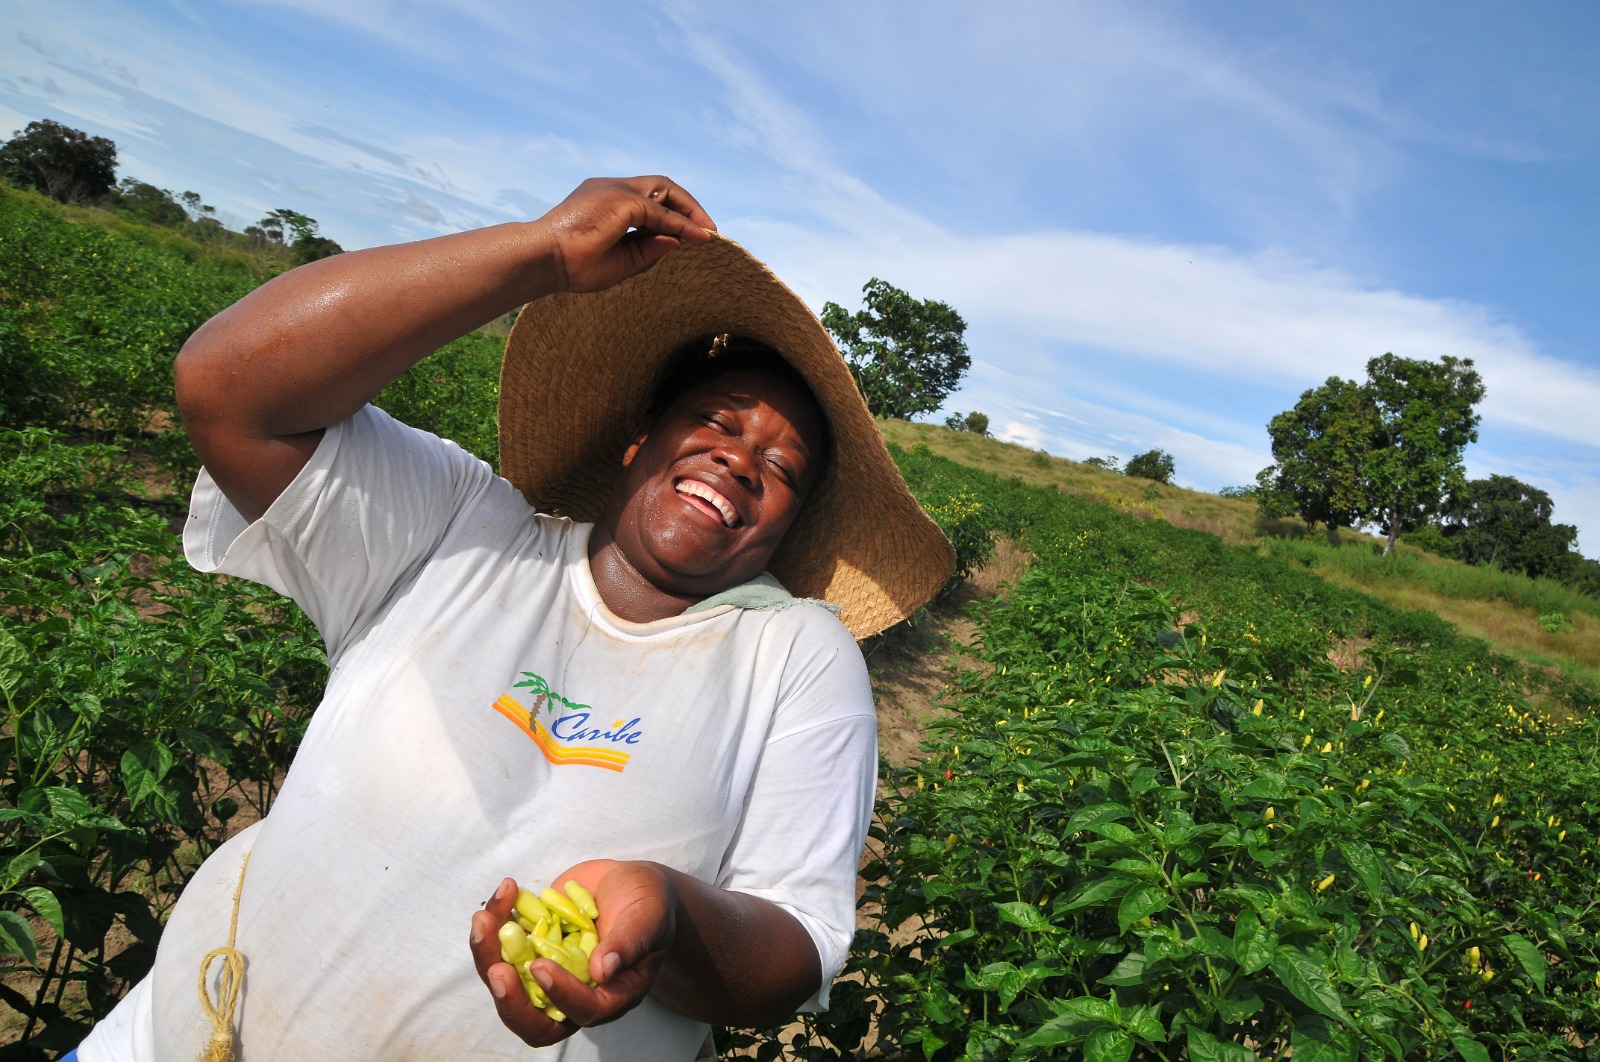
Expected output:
(649, 619)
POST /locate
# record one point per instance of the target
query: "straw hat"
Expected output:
(580, 371)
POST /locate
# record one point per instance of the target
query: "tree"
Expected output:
(1386, 451)
(1504, 522)
(1111, 463)
(297, 232)
(147, 202)
(1425, 419)
(1152, 464)
(1320, 446)
(66, 164)
(975, 422)
(906, 355)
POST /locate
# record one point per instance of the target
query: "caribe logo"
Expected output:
(568, 722)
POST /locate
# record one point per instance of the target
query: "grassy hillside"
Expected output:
(1536, 620)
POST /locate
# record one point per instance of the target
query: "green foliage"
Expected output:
(144, 702)
(1110, 463)
(1504, 522)
(906, 354)
(974, 422)
(1152, 464)
(1387, 450)
(90, 320)
(150, 204)
(66, 164)
(1161, 822)
(1425, 417)
(1320, 446)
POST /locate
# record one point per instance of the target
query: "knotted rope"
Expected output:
(220, 1049)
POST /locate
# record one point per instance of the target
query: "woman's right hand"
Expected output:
(611, 228)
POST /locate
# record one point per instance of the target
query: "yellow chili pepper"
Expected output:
(529, 907)
(583, 898)
(1322, 886)
(565, 908)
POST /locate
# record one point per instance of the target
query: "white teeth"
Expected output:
(705, 493)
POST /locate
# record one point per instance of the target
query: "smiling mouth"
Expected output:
(695, 489)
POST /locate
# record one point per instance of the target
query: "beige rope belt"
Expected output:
(220, 1049)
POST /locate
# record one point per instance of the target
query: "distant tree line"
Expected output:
(1157, 465)
(1387, 451)
(70, 166)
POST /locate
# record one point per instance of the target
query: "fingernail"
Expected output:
(477, 934)
(497, 987)
(610, 963)
(541, 975)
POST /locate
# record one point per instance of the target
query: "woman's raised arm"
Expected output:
(259, 382)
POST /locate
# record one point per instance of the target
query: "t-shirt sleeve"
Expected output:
(805, 820)
(366, 510)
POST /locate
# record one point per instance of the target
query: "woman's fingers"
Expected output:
(609, 228)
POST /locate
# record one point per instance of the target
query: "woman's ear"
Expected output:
(639, 437)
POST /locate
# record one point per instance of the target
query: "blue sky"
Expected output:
(1161, 221)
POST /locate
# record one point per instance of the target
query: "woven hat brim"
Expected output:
(578, 376)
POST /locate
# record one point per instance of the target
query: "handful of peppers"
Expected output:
(551, 926)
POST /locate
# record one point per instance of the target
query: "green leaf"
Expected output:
(45, 904)
(13, 661)
(1203, 1047)
(143, 768)
(1395, 744)
(1305, 977)
(1025, 915)
(1084, 818)
(1364, 861)
(1141, 901)
(18, 868)
(1108, 1045)
(1114, 831)
(1316, 1039)
(67, 806)
(1004, 979)
(1130, 971)
(1471, 1050)
(16, 937)
(1253, 944)
(1238, 1004)
(1098, 891)
(1528, 956)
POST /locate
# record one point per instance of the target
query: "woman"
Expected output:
(582, 670)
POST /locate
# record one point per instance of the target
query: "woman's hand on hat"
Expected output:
(636, 928)
(611, 228)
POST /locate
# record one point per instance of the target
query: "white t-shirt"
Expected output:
(487, 715)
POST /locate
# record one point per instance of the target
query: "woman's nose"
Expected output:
(739, 461)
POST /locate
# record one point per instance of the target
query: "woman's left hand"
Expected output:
(636, 928)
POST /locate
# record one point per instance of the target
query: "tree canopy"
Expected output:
(66, 164)
(906, 354)
(1152, 464)
(1386, 451)
(974, 422)
(1504, 522)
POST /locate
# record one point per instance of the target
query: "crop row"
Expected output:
(1197, 803)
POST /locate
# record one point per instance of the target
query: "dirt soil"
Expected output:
(915, 662)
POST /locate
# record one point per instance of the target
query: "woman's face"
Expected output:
(710, 488)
